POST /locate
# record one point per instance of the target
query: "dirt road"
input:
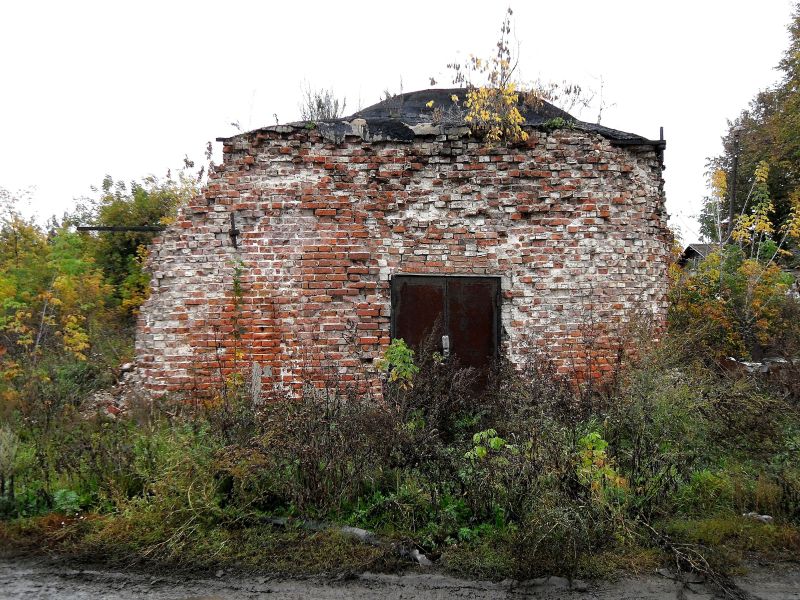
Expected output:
(44, 578)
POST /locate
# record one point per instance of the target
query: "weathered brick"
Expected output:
(323, 230)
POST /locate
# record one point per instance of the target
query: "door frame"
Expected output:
(498, 302)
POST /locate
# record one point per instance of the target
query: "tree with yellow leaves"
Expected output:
(766, 132)
(730, 305)
(732, 302)
(755, 231)
(492, 108)
(711, 225)
(51, 296)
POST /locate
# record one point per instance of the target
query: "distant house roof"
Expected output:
(695, 251)
(425, 112)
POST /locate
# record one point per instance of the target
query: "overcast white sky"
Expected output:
(89, 88)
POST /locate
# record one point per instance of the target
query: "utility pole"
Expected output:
(732, 185)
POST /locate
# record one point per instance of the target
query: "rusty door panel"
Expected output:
(468, 310)
(472, 319)
(417, 304)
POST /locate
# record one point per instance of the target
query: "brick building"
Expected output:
(314, 244)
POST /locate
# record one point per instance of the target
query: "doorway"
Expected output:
(468, 309)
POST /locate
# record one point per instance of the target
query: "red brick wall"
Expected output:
(575, 226)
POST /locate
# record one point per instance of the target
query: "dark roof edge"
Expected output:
(657, 144)
(407, 116)
(623, 139)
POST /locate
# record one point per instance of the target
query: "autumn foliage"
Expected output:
(730, 304)
(68, 298)
(735, 302)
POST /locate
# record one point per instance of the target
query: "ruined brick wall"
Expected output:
(574, 225)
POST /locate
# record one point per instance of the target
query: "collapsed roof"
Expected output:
(430, 112)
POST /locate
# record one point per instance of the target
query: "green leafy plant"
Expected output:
(595, 467)
(485, 442)
(398, 360)
(66, 501)
(555, 123)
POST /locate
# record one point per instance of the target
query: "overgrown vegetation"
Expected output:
(527, 478)
(673, 458)
(321, 105)
(494, 94)
(67, 302)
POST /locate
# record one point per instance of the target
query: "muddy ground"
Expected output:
(49, 578)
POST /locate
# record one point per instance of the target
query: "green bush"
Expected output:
(66, 501)
(705, 494)
(531, 477)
